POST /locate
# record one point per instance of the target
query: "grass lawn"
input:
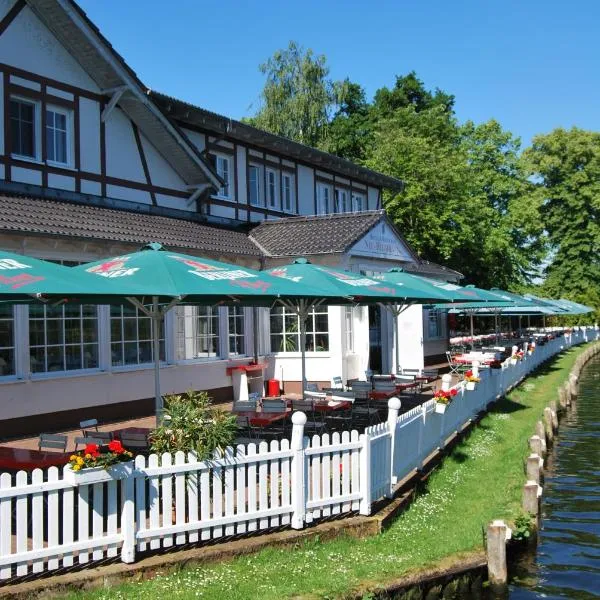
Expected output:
(480, 480)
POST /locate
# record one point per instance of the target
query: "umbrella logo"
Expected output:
(113, 268)
(284, 275)
(9, 263)
(351, 279)
(212, 272)
(19, 280)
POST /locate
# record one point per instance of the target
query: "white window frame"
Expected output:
(37, 128)
(289, 178)
(272, 189)
(62, 319)
(260, 200)
(349, 328)
(4, 346)
(324, 198)
(340, 204)
(68, 114)
(311, 333)
(435, 325)
(223, 165)
(188, 333)
(233, 333)
(355, 200)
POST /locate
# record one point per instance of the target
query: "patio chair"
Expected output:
(135, 441)
(104, 436)
(363, 412)
(89, 424)
(245, 406)
(311, 387)
(52, 441)
(338, 382)
(274, 406)
(456, 368)
(314, 419)
(84, 441)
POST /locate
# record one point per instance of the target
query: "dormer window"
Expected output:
(222, 165)
(23, 116)
(57, 136)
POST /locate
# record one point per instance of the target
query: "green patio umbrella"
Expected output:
(154, 280)
(23, 279)
(339, 287)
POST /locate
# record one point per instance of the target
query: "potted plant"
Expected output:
(95, 464)
(471, 380)
(443, 398)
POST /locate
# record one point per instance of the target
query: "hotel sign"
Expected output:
(381, 242)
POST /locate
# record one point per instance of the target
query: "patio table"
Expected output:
(467, 359)
(264, 419)
(117, 433)
(331, 405)
(15, 459)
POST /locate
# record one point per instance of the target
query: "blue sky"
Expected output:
(530, 64)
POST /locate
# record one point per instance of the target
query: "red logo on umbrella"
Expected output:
(19, 281)
(196, 264)
(107, 267)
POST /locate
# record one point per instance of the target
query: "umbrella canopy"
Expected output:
(343, 287)
(155, 279)
(23, 278)
(156, 273)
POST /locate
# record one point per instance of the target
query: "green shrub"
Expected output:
(192, 424)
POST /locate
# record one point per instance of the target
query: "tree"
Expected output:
(299, 98)
(565, 168)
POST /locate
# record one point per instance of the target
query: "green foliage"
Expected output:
(523, 527)
(192, 424)
(298, 98)
(565, 166)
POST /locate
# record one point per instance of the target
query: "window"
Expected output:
(236, 330)
(341, 201)
(349, 322)
(131, 337)
(324, 194)
(357, 202)
(63, 338)
(285, 330)
(222, 167)
(22, 127)
(254, 191)
(288, 193)
(7, 340)
(197, 332)
(272, 188)
(434, 324)
(57, 136)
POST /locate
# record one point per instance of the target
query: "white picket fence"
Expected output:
(47, 523)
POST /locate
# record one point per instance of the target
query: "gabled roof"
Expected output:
(324, 234)
(83, 40)
(330, 234)
(27, 214)
(186, 113)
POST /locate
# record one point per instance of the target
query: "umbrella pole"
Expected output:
(472, 333)
(395, 315)
(156, 317)
(303, 315)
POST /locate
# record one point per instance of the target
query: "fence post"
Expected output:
(393, 410)
(298, 471)
(497, 534)
(128, 519)
(365, 474)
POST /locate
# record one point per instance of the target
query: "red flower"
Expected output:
(91, 449)
(116, 447)
(469, 373)
(453, 392)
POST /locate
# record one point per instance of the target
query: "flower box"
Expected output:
(470, 385)
(440, 408)
(513, 361)
(98, 474)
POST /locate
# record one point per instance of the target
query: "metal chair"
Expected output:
(84, 441)
(456, 368)
(135, 441)
(245, 406)
(104, 436)
(311, 387)
(274, 406)
(314, 419)
(89, 424)
(52, 441)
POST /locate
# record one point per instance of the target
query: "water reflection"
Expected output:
(567, 563)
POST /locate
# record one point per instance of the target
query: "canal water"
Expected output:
(567, 561)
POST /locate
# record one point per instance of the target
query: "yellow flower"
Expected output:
(73, 457)
(76, 467)
(88, 456)
(80, 460)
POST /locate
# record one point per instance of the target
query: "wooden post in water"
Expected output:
(548, 423)
(540, 430)
(497, 534)
(562, 397)
(553, 408)
(531, 498)
(534, 467)
(573, 384)
(535, 445)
